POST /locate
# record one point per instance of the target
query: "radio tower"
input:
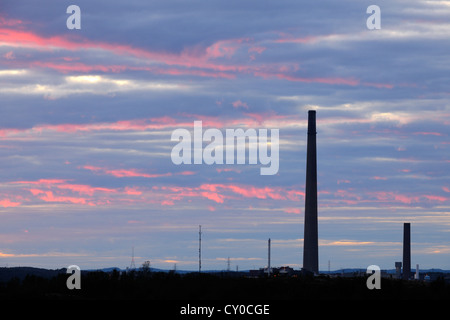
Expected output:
(199, 249)
(132, 266)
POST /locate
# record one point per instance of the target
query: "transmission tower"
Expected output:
(132, 266)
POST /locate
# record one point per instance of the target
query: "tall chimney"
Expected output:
(406, 250)
(311, 241)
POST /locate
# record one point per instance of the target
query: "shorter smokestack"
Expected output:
(406, 251)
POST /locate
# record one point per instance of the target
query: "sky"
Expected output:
(86, 118)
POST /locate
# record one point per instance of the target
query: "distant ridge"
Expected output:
(111, 269)
(8, 273)
(393, 271)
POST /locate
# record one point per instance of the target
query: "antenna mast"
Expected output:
(268, 258)
(199, 248)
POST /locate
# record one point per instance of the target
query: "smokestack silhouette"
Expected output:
(311, 240)
(406, 250)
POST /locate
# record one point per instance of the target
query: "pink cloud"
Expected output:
(378, 85)
(36, 191)
(295, 195)
(338, 81)
(123, 125)
(42, 182)
(252, 192)
(57, 190)
(428, 133)
(191, 61)
(78, 66)
(8, 22)
(9, 55)
(290, 39)
(85, 189)
(405, 199)
(292, 210)
(6, 203)
(189, 58)
(49, 197)
(213, 196)
(389, 196)
(132, 191)
(62, 184)
(224, 48)
(269, 119)
(240, 104)
(436, 198)
(139, 125)
(347, 194)
(256, 50)
(209, 187)
(120, 173)
(220, 192)
(61, 191)
(219, 170)
(67, 67)
(247, 191)
(186, 173)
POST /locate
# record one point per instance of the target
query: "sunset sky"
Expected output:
(86, 118)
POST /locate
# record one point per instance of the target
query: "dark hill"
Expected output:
(6, 274)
